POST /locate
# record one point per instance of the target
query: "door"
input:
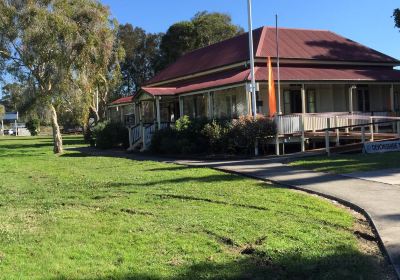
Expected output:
(363, 99)
(292, 101)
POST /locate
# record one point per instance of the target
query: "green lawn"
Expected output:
(81, 217)
(341, 164)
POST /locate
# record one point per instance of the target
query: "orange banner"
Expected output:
(271, 90)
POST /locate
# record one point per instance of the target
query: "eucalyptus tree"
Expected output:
(50, 42)
(142, 54)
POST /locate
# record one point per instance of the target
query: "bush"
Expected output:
(218, 136)
(185, 138)
(196, 136)
(33, 126)
(165, 141)
(109, 135)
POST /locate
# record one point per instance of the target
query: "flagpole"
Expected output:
(277, 64)
(251, 52)
(253, 79)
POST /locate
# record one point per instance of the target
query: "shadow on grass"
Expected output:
(75, 155)
(255, 264)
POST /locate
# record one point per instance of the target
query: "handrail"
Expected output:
(358, 125)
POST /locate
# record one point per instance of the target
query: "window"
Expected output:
(311, 101)
(195, 106)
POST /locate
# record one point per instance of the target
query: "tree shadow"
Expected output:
(342, 263)
(348, 50)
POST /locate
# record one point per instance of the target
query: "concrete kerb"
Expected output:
(330, 197)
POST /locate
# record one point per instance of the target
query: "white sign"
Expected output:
(382, 147)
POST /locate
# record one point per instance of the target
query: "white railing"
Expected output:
(164, 125)
(288, 124)
(148, 131)
(136, 132)
(295, 123)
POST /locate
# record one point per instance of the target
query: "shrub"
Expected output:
(185, 138)
(109, 135)
(196, 136)
(218, 136)
(33, 125)
(183, 123)
(165, 141)
(246, 129)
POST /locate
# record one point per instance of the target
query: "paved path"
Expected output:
(381, 202)
(386, 176)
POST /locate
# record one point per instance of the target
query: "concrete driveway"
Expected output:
(386, 176)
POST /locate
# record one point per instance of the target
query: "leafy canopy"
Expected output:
(202, 30)
(58, 50)
(141, 56)
(396, 16)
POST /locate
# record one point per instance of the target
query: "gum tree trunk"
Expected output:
(57, 139)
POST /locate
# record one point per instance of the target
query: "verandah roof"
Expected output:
(287, 74)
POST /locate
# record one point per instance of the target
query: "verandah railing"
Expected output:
(297, 123)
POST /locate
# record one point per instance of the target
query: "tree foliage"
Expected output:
(202, 30)
(59, 50)
(141, 56)
(396, 16)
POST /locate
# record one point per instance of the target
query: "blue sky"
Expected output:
(368, 22)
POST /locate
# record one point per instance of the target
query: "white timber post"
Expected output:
(158, 112)
(16, 127)
(130, 138)
(328, 151)
(303, 99)
(303, 146)
(277, 144)
(2, 128)
(303, 111)
(371, 128)
(143, 138)
(398, 128)
(351, 98)
(351, 102)
(337, 131)
(363, 134)
(181, 106)
(392, 107)
(210, 109)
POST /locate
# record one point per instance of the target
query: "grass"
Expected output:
(341, 164)
(80, 217)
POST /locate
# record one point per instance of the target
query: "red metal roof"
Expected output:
(293, 44)
(317, 45)
(288, 74)
(122, 100)
(204, 82)
(227, 52)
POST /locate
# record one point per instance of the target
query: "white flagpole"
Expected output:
(277, 64)
(251, 52)
(253, 79)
